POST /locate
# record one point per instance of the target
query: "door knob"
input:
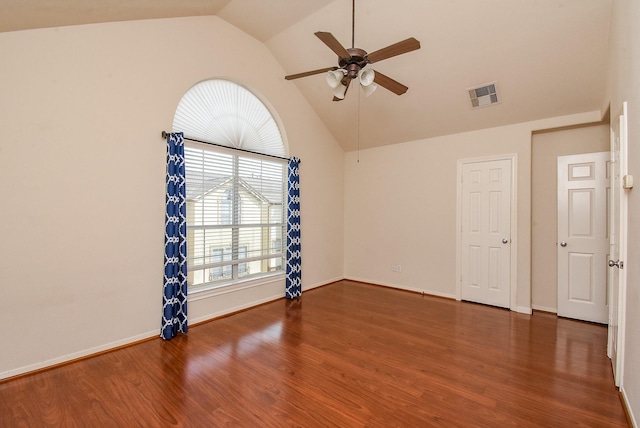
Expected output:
(618, 263)
(505, 241)
(563, 244)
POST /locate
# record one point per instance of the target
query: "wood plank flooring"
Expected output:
(345, 355)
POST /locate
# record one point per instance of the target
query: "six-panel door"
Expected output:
(486, 232)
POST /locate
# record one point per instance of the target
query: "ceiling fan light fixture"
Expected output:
(334, 78)
(366, 76)
(369, 89)
(340, 91)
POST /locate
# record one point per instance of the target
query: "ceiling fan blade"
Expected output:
(390, 84)
(309, 73)
(395, 49)
(333, 44)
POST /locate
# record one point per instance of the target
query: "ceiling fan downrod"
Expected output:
(353, 24)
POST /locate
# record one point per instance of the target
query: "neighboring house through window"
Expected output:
(226, 208)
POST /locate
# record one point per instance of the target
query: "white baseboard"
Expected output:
(524, 310)
(403, 287)
(77, 355)
(544, 309)
(320, 284)
(629, 410)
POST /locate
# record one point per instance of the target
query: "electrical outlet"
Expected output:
(398, 268)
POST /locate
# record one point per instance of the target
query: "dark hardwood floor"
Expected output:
(345, 355)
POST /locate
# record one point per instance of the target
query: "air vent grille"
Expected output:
(483, 96)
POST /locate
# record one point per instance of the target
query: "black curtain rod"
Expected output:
(165, 135)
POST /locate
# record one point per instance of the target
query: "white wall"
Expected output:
(400, 207)
(82, 171)
(624, 85)
(546, 147)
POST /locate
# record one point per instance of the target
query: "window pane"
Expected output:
(202, 243)
(234, 212)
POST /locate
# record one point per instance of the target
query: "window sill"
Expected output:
(206, 292)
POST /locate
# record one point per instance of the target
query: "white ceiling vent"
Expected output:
(483, 96)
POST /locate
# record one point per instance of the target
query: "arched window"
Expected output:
(235, 199)
(225, 113)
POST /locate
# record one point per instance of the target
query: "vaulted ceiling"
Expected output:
(547, 57)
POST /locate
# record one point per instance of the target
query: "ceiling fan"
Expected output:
(352, 62)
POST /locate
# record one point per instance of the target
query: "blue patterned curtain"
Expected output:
(174, 300)
(294, 260)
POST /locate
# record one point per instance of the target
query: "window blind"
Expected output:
(235, 215)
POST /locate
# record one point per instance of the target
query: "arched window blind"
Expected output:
(223, 112)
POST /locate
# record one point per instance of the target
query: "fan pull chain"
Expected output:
(358, 121)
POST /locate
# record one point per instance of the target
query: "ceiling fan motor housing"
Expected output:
(354, 63)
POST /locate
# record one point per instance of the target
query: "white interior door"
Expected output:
(582, 237)
(486, 232)
(617, 244)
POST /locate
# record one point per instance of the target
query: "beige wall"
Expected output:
(546, 147)
(82, 171)
(400, 207)
(624, 85)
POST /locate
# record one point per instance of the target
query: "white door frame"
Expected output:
(622, 242)
(513, 157)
